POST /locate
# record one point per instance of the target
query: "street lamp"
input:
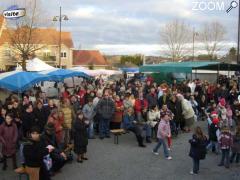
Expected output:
(238, 59)
(60, 18)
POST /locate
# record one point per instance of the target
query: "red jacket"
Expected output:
(139, 106)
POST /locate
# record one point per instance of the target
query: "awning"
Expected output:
(61, 74)
(187, 67)
(19, 81)
(130, 70)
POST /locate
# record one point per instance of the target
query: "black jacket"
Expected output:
(28, 121)
(80, 137)
(198, 147)
(33, 153)
(40, 117)
(212, 132)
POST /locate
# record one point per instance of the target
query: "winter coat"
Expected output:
(8, 138)
(119, 112)
(140, 105)
(164, 129)
(152, 100)
(236, 144)
(17, 115)
(128, 121)
(212, 132)
(153, 117)
(41, 117)
(68, 115)
(34, 152)
(80, 136)
(163, 100)
(178, 116)
(187, 110)
(198, 148)
(88, 112)
(106, 108)
(28, 121)
(49, 109)
(225, 140)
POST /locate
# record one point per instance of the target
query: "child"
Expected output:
(225, 143)
(222, 111)
(164, 132)
(229, 116)
(213, 128)
(236, 146)
(171, 123)
(8, 138)
(34, 152)
(80, 137)
(198, 148)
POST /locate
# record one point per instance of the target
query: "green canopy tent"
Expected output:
(186, 67)
(177, 67)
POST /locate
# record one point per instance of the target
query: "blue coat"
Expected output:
(198, 148)
(128, 121)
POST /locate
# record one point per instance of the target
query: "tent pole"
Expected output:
(218, 74)
(228, 71)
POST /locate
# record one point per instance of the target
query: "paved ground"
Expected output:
(127, 161)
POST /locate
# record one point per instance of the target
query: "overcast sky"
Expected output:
(133, 26)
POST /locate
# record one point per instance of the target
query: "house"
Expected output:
(92, 59)
(45, 40)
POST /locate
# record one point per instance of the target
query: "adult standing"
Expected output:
(187, 112)
(106, 110)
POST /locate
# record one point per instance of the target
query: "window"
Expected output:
(46, 54)
(63, 54)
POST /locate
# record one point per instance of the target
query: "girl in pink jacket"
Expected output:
(164, 132)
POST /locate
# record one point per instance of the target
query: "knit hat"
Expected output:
(222, 102)
(214, 114)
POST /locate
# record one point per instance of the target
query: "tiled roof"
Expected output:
(87, 57)
(43, 36)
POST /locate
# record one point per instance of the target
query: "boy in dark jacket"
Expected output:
(34, 152)
(213, 128)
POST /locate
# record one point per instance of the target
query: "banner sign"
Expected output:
(14, 12)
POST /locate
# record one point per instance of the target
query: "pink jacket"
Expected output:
(163, 129)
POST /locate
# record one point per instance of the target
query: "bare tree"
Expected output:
(212, 35)
(22, 35)
(176, 35)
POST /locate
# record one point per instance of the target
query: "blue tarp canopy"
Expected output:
(60, 74)
(19, 81)
(130, 70)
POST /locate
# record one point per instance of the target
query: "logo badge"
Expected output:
(14, 12)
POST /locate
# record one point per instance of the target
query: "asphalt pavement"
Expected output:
(126, 161)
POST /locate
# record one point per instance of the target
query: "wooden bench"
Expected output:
(116, 133)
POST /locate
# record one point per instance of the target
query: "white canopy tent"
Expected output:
(96, 72)
(36, 65)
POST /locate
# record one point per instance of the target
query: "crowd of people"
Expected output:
(45, 130)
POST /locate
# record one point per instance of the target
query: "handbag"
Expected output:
(48, 162)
